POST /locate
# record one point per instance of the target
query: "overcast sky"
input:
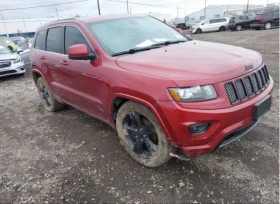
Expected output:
(89, 8)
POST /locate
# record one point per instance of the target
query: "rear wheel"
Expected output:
(50, 104)
(142, 136)
(223, 28)
(267, 25)
(238, 27)
(198, 31)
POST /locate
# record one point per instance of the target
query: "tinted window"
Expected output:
(74, 36)
(40, 42)
(214, 21)
(222, 20)
(276, 14)
(54, 40)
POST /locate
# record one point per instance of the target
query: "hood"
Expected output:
(193, 63)
(8, 56)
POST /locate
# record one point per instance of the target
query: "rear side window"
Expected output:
(214, 21)
(74, 36)
(222, 20)
(276, 14)
(40, 42)
(54, 40)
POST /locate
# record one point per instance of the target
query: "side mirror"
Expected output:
(202, 23)
(19, 51)
(80, 52)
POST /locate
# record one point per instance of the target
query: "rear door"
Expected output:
(214, 24)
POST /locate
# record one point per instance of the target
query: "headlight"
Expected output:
(17, 60)
(196, 93)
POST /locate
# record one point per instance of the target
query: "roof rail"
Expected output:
(66, 19)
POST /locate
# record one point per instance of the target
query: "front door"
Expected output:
(275, 18)
(205, 26)
(80, 77)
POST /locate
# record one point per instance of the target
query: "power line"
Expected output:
(143, 4)
(56, 1)
(41, 6)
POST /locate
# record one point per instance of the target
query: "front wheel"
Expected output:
(198, 31)
(142, 136)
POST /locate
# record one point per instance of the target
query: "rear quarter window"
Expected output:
(40, 42)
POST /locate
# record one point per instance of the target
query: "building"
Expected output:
(216, 11)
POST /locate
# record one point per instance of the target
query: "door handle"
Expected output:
(43, 57)
(64, 62)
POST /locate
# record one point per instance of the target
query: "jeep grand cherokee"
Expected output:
(166, 96)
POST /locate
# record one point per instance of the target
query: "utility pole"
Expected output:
(4, 25)
(267, 3)
(177, 11)
(57, 14)
(130, 11)
(205, 10)
(98, 7)
(24, 25)
(247, 6)
(127, 6)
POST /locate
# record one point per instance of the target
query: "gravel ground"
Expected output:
(70, 157)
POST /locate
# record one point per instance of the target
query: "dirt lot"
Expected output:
(71, 157)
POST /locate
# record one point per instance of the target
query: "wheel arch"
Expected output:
(120, 99)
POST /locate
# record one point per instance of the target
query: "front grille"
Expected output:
(4, 64)
(247, 86)
(231, 92)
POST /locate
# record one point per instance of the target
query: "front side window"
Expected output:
(74, 36)
(132, 33)
(206, 22)
(22, 45)
(54, 40)
(40, 42)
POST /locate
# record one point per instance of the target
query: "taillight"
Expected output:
(259, 18)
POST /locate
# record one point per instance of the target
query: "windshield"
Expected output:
(120, 35)
(4, 50)
(5, 41)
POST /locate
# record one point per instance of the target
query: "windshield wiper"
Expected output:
(131, 51)
(167, 43)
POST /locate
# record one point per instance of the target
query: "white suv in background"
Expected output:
(214, 24)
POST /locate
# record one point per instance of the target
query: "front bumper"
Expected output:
(227, 124)
(14, 69)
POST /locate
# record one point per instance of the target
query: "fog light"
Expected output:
(198, 129)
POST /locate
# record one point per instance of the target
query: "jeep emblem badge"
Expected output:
(249, 67)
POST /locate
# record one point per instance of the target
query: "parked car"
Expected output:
(182, 26)
(215, 24)
(266, 20)
(16, 39)
(160, 91)
(24, 52)
(10, 63)
(239, 22)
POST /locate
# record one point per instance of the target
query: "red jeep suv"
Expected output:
(165, 95)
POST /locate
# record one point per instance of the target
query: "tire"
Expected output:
(238, 28)
(232, 29)
(267, 25)
(222, 28)
(198, 31)
(137, 129)
(50, 104)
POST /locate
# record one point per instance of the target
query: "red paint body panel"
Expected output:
(145, 77)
